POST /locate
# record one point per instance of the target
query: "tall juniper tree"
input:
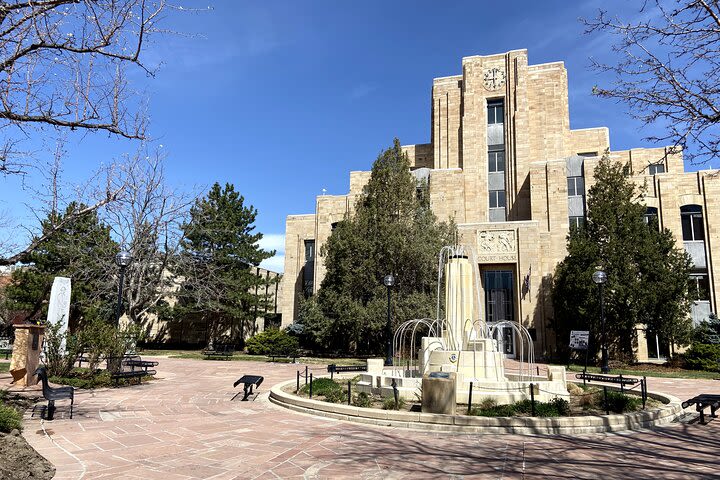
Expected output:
(220, 247)
(82, 250)
(392, 231)
(647, 273)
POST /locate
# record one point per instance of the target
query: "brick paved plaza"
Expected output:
(184, 425)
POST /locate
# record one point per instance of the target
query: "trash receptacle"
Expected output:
(439, 393)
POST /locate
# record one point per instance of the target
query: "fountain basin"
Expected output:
(577, 425)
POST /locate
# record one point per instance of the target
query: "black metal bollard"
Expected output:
(349, 392)
(470, 399)
(532, 400)
(607, 405)
(395, 394)
(643, 387)
(306, 374)
(622, 387)
(311, 385)
(298, 382)
(538, 370)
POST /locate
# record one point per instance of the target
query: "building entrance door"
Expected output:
(499, 306)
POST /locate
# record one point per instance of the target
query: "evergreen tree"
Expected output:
(220, 249)
(81, 250)
(393, 231)
(647, 273)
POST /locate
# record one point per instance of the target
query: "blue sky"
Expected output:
(285, 98)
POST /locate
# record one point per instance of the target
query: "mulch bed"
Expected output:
(19, 461)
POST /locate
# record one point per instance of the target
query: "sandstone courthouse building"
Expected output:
(504, 163)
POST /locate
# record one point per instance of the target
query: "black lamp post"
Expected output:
(122, 259)
(600, 277)
(389, 281)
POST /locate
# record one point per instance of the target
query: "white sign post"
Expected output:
(59, 307)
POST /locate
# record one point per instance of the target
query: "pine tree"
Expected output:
(83, 251)
(393, 231)
(221, 248)
(647, 273)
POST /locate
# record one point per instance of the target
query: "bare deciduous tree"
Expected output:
(668, 71)
(102, 187)
(63, 64)
(146, 217)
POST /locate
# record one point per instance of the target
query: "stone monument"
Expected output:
(59, 306)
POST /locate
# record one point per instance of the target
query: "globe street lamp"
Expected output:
(122, 259)
(389, 281)
(600, 277)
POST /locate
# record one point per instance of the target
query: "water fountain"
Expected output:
(460, 345)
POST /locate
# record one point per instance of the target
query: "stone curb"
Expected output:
(470, 424)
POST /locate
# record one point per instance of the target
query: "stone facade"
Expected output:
(504, 164)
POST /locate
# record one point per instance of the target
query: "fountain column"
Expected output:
(458, 303)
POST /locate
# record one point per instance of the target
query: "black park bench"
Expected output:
(54, 393)
(248, 381)
(702, 402)
(133, 367)
(221, 351)
(333, 369)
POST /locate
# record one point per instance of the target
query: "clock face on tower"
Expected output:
(494, 78)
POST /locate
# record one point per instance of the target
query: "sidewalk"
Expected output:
(183, 425)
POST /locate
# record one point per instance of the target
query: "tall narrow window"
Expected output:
(496, 112)
(692, 222)
(576, 186)
(308, 274)
(656, 168)
(576, 222)
(497, 199)
(496, 160)
(651, 217)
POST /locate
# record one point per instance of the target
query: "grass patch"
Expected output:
(650, 371)
(4, 366)
(239, 356)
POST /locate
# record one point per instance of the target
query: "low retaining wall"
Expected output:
(472, 424)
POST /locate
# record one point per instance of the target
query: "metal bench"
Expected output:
(127, 369)
(273, 356)
(618, 379)
(248, 381)
(221, 351)
(703, 401)
(54, 393)
(333, 369)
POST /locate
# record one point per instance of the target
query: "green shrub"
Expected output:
(389, 403)
(488, 402)
(362, 400)
(496, 411)
(273, 342)
(619, 402)
(83, 378)
(322, 386)
(555, 408)
(703, 356)
(336, 396)
(561, 405)
(9, 419)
